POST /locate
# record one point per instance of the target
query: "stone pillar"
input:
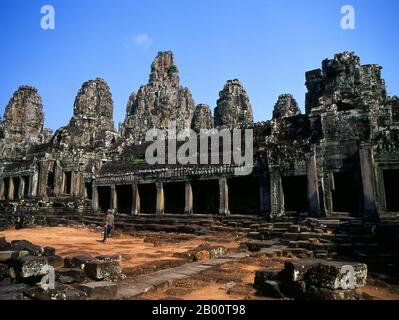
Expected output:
(72, 183)
(94, 199)
(313, 185)
(35, 181)
(366, 170)
(10, 195)
(276, 193)
(135, 199)
(188, 208)
(43, 179)
(30, 181)
(58, 183)
(2, 195)
(223, 197)
(21, 188)
(76, 188)
(114, 198)
(160, 199)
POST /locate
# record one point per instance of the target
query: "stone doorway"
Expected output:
(104, 198)
(205, 196)
(295, 194)
(345, 193)
(244, 195)
(124, 195)
(391, 186)
(174, 195)
(148, 198)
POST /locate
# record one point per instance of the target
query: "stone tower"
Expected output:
(233, 108)
(159, 102)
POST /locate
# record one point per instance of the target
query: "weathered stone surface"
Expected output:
(12, 255)
(70, 275)
(316, 293)
(22, 123)
(25, 245)
(338, 275)
(296, 270)
(48, 251)
(3, 270)
(92, 124)
(100, 270)
(160, 101)
(285, 107)
(233, 108)
(13, 291)
(271, 288)
(78, 261)
(4, 245)
(202, 118)
(61, 292)
(30, 266)
(101, 290)
(55, 261)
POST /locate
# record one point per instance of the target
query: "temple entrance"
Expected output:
(124, 195)
(50, 183)
(6, 188)
(344, 194)
(104, 198)
(89, 190)
(175, 197)
(68, 182)
(26, 186)
(148, 198)
(244, 195)
(16, 183)
(391, 185)
(205, 196)
(295, 194)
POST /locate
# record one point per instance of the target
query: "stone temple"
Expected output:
(339, 158)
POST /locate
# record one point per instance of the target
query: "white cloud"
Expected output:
(143, 41)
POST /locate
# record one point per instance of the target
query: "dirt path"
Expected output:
(134, 250)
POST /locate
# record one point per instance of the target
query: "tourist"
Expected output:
(109, 224)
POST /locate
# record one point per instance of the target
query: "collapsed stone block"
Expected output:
(60, 292)
(30, 266)
(338, 275)
(70, 275)
(77, 262)
(55, 261)
(25, 245)
(100, 270)
(102, 290)
(48, 251)
(12, 255)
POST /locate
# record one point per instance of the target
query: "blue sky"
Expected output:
(267, 44)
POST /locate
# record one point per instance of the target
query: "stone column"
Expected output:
(188, 208)
(94, 195)
(35, 181)
(313, 185)
(43, 179)
(276, 193)
(114, 198)
(21, 188)
(30, 181)
(58, 183)
(223, 197)
(160, 199)
(135, 199)
(369, 206)
(10, 195)
(72, 183)
(2, 195)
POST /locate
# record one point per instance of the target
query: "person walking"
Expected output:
(109, 224)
